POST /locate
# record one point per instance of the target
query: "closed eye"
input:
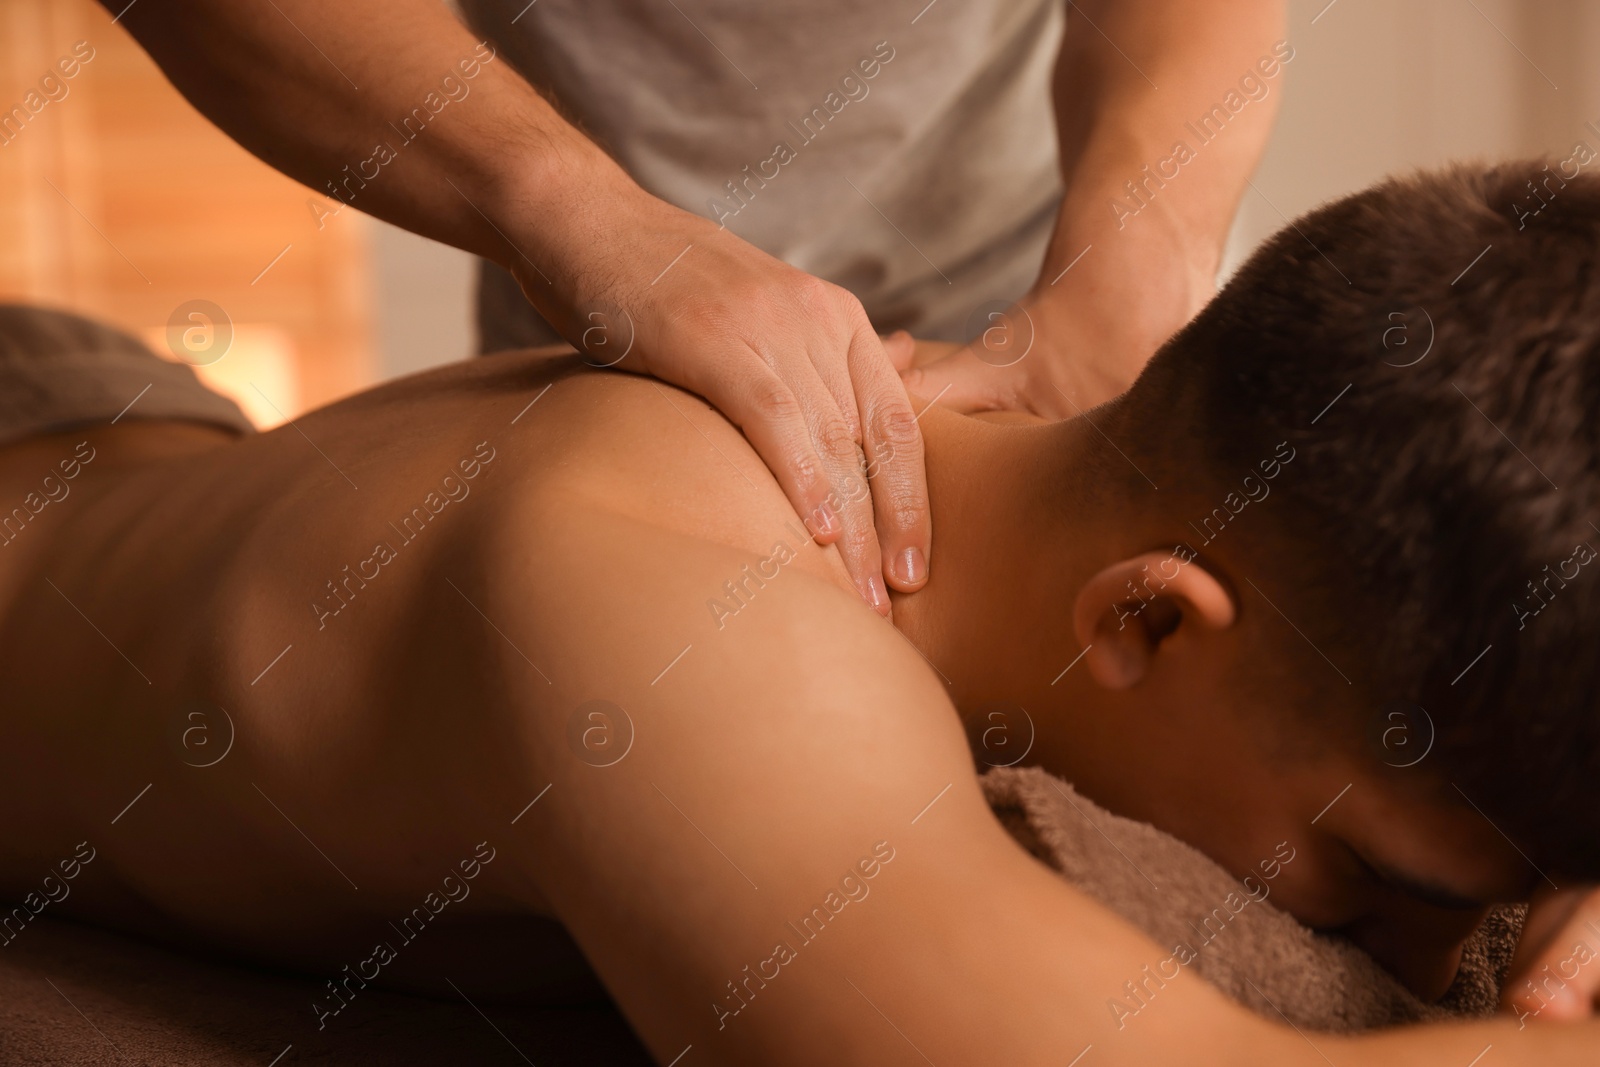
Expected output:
(1420, 887)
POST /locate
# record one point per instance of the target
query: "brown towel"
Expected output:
(59, 370)
(1227, 931)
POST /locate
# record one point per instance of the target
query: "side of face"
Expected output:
(1197, 714)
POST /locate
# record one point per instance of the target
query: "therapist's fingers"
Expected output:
(964, 382)
(894, 469)
(1555, 973)
(769, 345)
(870, 439)
(846, 431)
(766, 408)
(838, 430)
(790, 417)
(901, 349)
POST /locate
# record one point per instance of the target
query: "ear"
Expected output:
(1124, 613)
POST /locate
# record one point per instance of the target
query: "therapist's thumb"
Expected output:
(900, 348)
(963, 382)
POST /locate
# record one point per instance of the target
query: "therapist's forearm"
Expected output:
(1131, 76)
(322, 91)
(315, 87)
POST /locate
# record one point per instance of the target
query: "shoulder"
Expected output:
(773, 806)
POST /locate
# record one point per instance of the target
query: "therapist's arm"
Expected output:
(1134, 80)
(321, 91)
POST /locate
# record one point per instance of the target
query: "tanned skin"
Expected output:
(441, 715)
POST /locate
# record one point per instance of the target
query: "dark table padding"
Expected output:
(162, 1008)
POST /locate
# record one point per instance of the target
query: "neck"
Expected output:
(1004, 552)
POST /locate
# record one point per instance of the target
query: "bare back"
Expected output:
(253, 680)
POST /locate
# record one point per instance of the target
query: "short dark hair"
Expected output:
(1430, 347)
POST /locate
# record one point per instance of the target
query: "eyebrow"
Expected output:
(1422, 887)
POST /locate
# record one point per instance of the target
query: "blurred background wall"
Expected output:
(117, 200)
(1379, 86)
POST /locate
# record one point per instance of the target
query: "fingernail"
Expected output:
(876, 595)
(911, 566)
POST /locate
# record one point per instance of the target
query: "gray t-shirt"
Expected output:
(907, 153)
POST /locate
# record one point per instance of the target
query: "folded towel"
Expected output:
(59, 370)
(1225, 930)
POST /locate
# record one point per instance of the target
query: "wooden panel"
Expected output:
(121, 202)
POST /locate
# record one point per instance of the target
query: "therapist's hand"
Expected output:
(1141, 224)
(1061, 350)
(789, 358)
(1555, 974)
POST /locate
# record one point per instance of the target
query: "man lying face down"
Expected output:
(1367, 573)
(561, 628)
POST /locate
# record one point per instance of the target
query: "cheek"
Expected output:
(1248, 836)
(1317, 887)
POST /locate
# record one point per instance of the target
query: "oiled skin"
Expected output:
(375, 732)
(772, 752)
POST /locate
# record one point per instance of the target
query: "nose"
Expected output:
(1421, 950)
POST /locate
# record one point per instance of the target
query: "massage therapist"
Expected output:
(738, 197)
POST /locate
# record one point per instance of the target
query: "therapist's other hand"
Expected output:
(791, 359)
(1097, 313)
(1038, 355)
(1555, 973)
